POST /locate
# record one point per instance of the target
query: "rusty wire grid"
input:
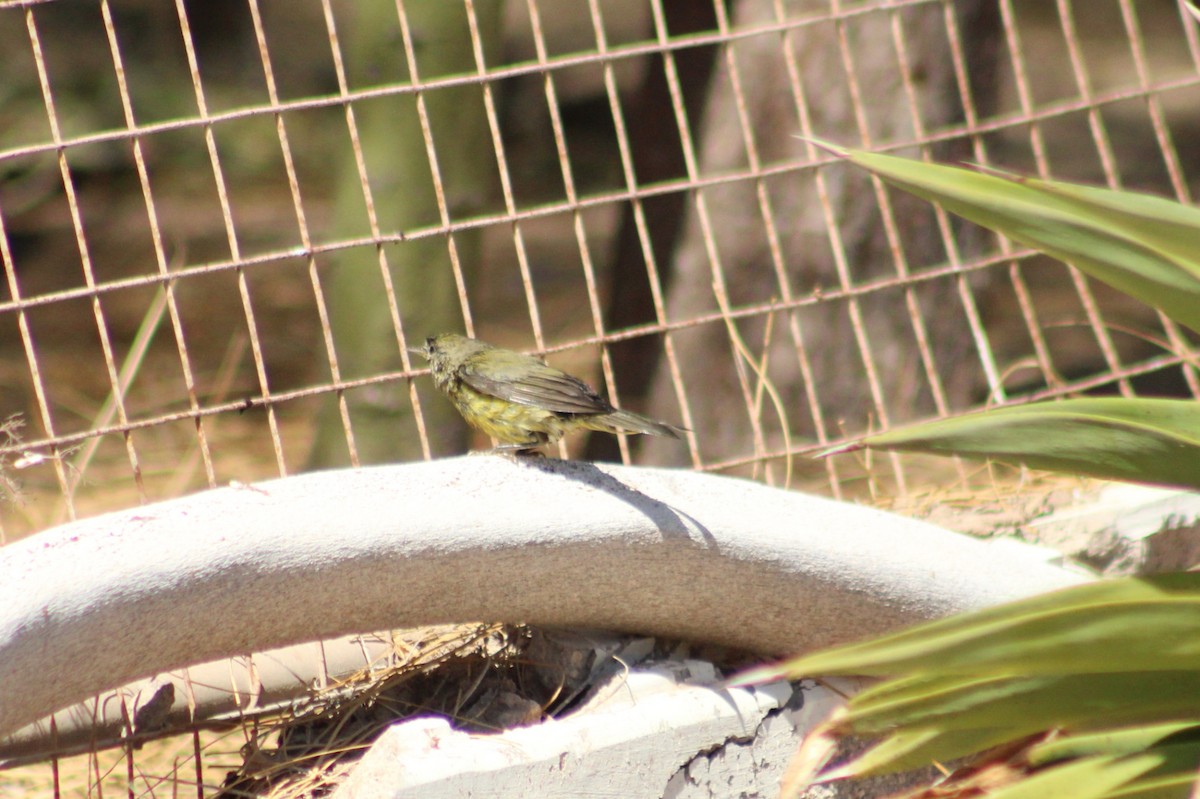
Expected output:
(208, 277)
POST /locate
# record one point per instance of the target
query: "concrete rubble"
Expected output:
(655, 730)
(1126, 529)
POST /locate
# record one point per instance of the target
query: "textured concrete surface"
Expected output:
(101, 602)
(660, 731)
(1126, 529)
(653, 730)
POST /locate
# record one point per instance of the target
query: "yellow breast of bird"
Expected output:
(507, 421)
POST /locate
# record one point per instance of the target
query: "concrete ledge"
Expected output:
(96, 604)
(1127, 529)
(658, 731)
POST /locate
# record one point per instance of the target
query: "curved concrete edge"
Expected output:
(98, 603)
(219, 693)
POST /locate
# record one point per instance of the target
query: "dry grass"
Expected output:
(472, 674)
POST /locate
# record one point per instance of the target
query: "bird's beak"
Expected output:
(418, 351)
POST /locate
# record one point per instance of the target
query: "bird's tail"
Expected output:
(628, 422)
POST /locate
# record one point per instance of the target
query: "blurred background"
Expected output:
(222, 224)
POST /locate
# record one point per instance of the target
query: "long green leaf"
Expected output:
(1025, 705)
(1177, 785)
(907, 749)
(1145, 246)
(1115, 742)
(1143, 440)
(1172, 778)
(1085, 779)
(1144, 622)
(912, 747)
(1177, 746)
(1114, 667)
(964, 684)
(934, 722)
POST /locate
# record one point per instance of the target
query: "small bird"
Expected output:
(521, 401)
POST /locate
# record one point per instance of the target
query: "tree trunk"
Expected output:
(737, 251)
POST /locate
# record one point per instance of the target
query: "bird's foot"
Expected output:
(513, 451)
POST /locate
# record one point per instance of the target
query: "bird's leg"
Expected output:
(518, 450)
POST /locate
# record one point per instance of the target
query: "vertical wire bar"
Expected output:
(580, 230)
(766, 211)
(156, 237)
(1104, 146)
(1033, 326)
(1166, 146)
(891, 229)
(302, 227)
(95, 777)
(1083, 85)
(55, 776)
(210, 141)
(84, 254)
(1099, 138)
(643, 230)
(1191, 32)
(35, 369)
(966, 297)
(385, 272)
(510, 203)
(1078, 280)
(692, 167)
(857, 323)
(439, 186)
(197, 758)
(1021, 84)
(806, 371)
(1162, 134)
(127, 749)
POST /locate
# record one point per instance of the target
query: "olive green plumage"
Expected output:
(520, 400)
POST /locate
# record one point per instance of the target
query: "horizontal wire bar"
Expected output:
(253, 402)
(1047, 111)
(1148, 366)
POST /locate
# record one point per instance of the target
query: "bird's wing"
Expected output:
(540, 386)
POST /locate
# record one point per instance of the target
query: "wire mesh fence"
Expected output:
(223, 225)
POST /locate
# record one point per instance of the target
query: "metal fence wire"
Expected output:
(223, 224)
